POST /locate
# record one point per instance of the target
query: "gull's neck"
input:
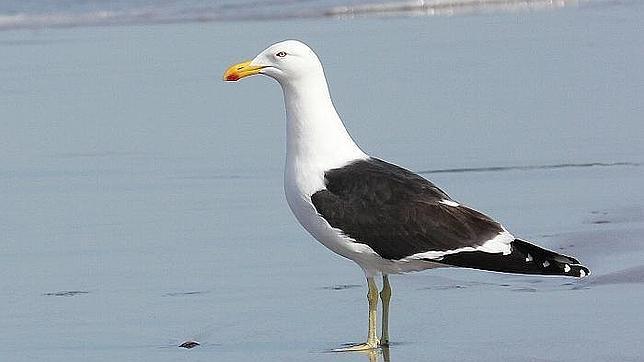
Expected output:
(316, 138)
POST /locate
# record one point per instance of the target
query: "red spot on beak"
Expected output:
(232, 77)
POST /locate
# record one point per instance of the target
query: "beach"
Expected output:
(143, 203)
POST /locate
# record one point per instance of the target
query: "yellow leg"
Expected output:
(372, 339)
(372, 297)
(385, 295)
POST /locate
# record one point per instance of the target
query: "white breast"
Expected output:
(301, 181)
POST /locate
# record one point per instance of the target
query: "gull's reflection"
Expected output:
(374, 354)
(380, 354)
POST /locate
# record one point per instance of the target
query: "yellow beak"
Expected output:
(241, 70)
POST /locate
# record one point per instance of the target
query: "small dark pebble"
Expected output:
(189, 344)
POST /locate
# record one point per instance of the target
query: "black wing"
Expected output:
(396, 212)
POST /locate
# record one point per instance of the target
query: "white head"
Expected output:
(286, 62)
(315, 132)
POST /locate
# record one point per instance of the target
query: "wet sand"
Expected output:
(143, 204)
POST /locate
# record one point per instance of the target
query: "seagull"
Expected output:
(385, 218)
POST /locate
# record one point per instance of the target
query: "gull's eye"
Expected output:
(281, 54)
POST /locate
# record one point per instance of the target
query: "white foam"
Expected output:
(446, 7)
(270, 10)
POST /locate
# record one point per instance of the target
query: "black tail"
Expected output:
(524, 258)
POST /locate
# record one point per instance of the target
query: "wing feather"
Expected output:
(398, 213)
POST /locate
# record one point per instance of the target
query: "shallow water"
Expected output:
(36, 14)
(143, 205)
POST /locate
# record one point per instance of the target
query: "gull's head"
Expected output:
(285, 61)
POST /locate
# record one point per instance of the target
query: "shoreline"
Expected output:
(150, 16)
